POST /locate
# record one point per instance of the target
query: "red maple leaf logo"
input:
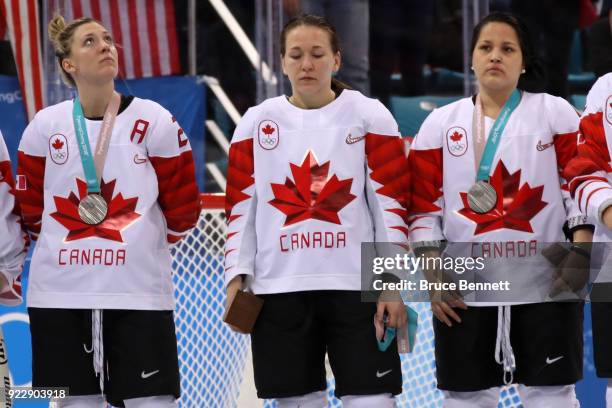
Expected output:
(313, 195)
(456, 136)
(515, 206)
(120, 214)
(268, 130)
(57, 144)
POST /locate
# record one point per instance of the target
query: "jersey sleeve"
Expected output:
(241, 202)
(564, 125)
(387, 176)
(427, 201)
(587, 171)
(13, 240)
(29, 183)
(170, 154)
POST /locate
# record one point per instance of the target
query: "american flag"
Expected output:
(144, 30)
(20, 21)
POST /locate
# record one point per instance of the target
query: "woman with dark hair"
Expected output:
(312, 176)
(100, 295)
(486, 169)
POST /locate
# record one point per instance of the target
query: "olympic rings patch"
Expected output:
(456, 141)
(58, 148)
(268, 134)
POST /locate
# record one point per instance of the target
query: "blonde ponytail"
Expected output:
(60, 34)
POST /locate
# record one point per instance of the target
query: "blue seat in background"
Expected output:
(411, 111)
(578, 101)
(578, 78)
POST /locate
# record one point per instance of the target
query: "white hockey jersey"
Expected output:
(13, 240)
(306, 187)
(533, 200)
(591, 172)
(149, 184)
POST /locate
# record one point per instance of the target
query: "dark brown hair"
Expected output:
(319, 22)
(533, 80)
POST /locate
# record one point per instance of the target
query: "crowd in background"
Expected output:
(405, 48)
(399, 47)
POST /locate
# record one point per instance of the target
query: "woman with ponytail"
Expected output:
(311, 176)
(107, 185)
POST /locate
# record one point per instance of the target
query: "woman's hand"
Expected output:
(391, 304)
(444, 310)
(442, 302)
(233, 287)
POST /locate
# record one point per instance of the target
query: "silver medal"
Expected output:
(93, 209)
(482, 197)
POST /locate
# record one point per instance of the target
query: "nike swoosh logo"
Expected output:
(147, 375)
(550, 361)
(379, 374)
(541, 147)
(350, 139)
(139, 160)
(88, 351)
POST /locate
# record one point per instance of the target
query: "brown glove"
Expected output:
(572, 274)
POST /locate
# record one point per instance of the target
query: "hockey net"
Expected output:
(212, 357)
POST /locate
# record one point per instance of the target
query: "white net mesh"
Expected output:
(212, 357)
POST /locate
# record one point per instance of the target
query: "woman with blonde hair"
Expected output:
(108, 185)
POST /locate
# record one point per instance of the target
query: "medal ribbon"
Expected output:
(484, 154)
(94, 165)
